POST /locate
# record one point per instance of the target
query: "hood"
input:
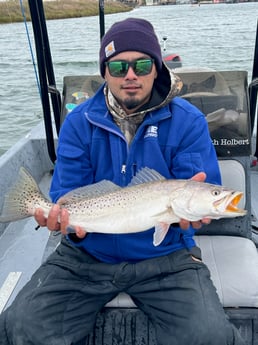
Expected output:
(167, 86)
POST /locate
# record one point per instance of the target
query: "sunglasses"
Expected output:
(119, 68)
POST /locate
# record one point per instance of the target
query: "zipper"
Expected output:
(123, 175)
(123, 169)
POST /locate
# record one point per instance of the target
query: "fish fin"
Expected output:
(89, 191)
(146, 175)
(16, 200)
(160, 232)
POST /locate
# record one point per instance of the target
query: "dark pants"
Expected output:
(60, 303)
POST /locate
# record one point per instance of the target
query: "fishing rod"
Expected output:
(30, 45)
(46, 74)
(101, 19)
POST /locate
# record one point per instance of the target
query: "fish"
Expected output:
(150, 200)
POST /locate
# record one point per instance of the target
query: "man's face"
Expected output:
(131, 91)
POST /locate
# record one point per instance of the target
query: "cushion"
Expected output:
(233, 263)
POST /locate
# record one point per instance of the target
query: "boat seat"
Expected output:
(232, 260)
(233, 263)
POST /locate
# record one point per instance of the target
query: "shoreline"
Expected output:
(10, 11)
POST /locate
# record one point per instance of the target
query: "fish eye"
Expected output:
(216, 192)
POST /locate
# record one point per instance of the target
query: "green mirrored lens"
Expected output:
(120, 68)
(143, 67)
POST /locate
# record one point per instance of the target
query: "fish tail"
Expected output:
(22, 198)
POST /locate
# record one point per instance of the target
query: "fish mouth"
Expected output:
(230, 203)
(233, 202)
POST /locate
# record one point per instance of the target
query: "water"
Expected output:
(219, 36)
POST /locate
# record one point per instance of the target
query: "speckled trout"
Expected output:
(149, 201)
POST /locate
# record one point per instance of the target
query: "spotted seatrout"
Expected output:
(149, 201)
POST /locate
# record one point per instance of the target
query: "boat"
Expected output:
(173, 60)
(229, 246)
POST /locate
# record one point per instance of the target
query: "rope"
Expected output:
(30, 46)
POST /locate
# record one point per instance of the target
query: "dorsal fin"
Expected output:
(90, 191)
(146, 175)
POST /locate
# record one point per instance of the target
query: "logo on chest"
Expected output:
(152, 131)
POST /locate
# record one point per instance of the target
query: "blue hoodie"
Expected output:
(173, 139)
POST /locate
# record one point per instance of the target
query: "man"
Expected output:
(135, 120)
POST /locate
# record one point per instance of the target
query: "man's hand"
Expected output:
(57, 220)
(184, 224)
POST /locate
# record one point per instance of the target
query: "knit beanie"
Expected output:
(131, 34)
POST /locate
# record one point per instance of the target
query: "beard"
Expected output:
(131, 103)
